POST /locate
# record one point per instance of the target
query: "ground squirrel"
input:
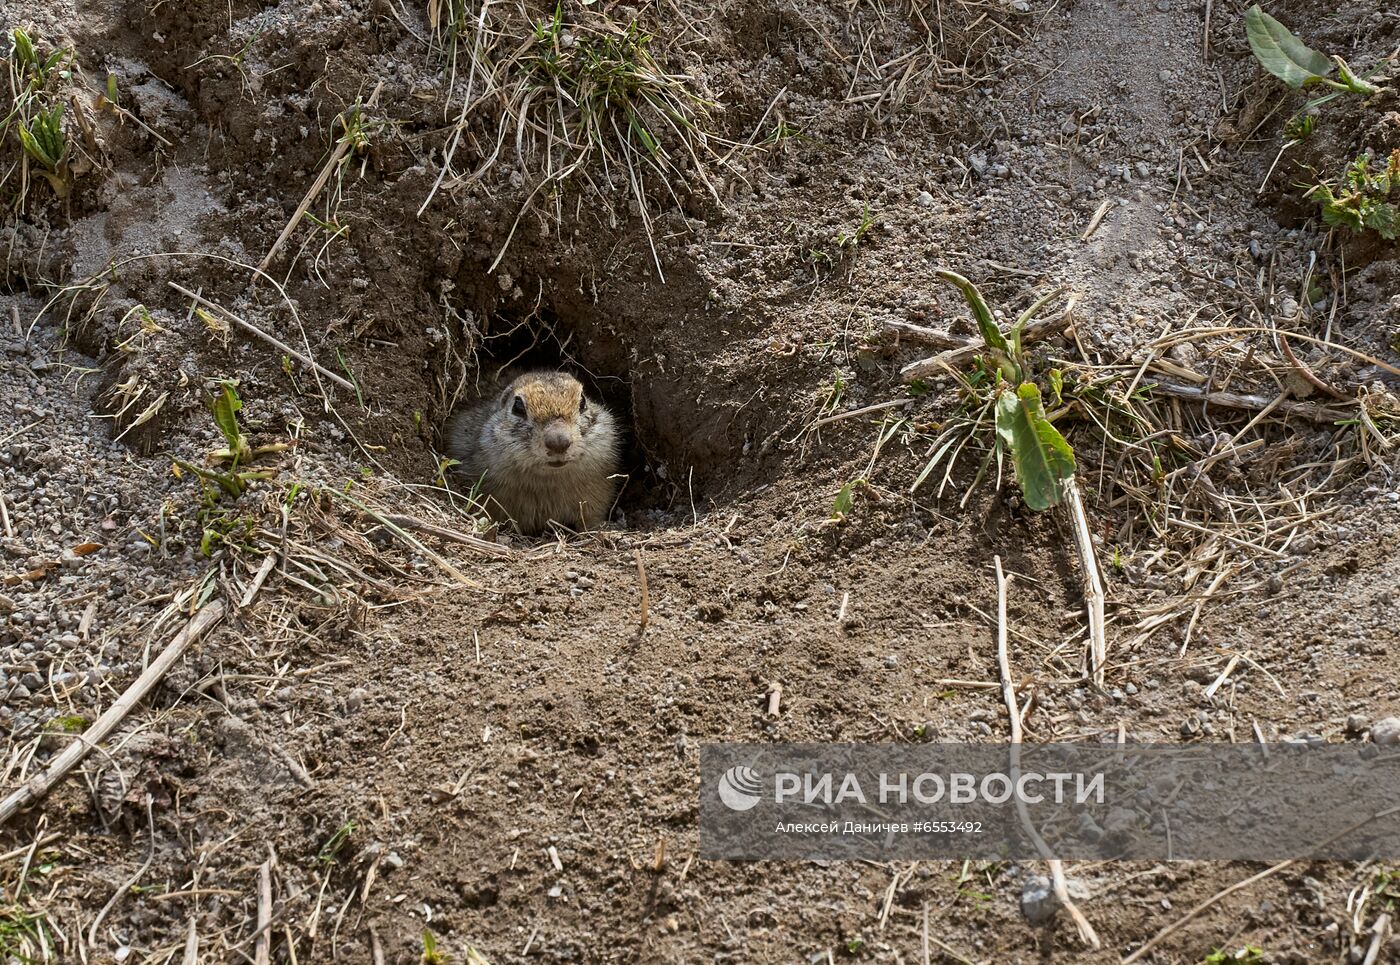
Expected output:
(541, 451)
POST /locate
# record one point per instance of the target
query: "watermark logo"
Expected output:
(740, 788)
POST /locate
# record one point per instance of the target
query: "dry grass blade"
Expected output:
(341, 149)
(41, 784)
(407, 538)
(1093, 582)
(1252, 879)
(583, 95)
(1008, 695)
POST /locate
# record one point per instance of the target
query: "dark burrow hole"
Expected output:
(512, 344)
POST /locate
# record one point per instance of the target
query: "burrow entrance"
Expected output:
(513, 342)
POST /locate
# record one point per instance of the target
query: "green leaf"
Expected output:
(24, 47)
(1043, 459)
(845, 499)
(986, 324)
(1385, 220)
(226, 406)
(1283, 54)
(1005, 354)
(33, 148)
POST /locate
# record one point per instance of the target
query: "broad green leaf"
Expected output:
(1281, 53)
(1043, 459)
(986, 324)
(226, 406)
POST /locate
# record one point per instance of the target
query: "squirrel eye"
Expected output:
(519, 408)
(583, 403)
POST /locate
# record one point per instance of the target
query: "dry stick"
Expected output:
(262, 951)
(1093, 582)
(30, 849)
(1008, 694)
(41, 784)
(1377, 936)
(5, 518)
(929, 336)
(775, 699)
(646, 597)
(863, 410)
(483, 546)
(951, 360)
(341, 149)
(261, 576)
(1180, 922)
(1096, 219)
(191, 945)
(277, 343)
(1234, 400)
(1234, 662)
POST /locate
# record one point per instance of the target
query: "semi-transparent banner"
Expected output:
(1079, 801)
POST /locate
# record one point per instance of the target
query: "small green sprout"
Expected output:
(1365, 197)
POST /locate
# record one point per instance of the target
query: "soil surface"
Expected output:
(492, 741)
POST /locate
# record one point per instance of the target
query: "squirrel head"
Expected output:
(547, 415)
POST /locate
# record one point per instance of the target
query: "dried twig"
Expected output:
(646, 597)
(1096, 219)
(1230, 666)
(1378, 931)
(775, 699)
(1093, 582)
(863, 410)
(267, 564)
(483, 546)
(338, 155)
(269, 339)
(928, 336)
(1258, 403)
(191, 945)
(1008, 694)
(41, 784)
(262, 950)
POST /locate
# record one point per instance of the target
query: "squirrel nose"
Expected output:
(556, 439)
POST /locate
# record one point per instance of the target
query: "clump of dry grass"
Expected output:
(583, 98)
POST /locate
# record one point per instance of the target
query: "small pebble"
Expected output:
(1386, 731)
